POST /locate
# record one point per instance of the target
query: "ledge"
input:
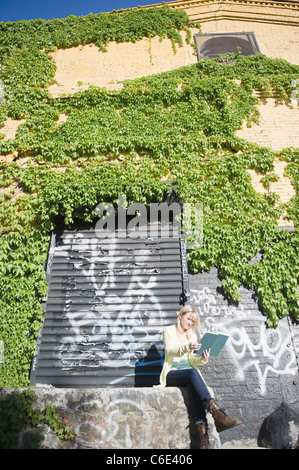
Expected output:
(284, 12)
(121, 418)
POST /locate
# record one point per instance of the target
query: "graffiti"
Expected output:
(251, 345)
(122, 423)
(112, 294)
(114, 410)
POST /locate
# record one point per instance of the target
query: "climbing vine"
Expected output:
(18, 413)
(172, 129)
(101, 28)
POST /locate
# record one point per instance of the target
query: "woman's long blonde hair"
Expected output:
(194, 315)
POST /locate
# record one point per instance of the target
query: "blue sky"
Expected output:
(15, 10)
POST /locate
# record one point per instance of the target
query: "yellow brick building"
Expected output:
(275, 25)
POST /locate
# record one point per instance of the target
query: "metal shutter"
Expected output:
(108, 301)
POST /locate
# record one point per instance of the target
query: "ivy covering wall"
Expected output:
(174, 128)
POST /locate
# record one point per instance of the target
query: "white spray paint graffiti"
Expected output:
(113, 410)
(259, 349)
(93, 325)
(109, 426)
(122, 423)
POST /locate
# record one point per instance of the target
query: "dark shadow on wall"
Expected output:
(149, 367)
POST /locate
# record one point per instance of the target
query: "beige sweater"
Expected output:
(171, 351)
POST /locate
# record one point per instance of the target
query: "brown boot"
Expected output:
(203, 437)
(222, 420)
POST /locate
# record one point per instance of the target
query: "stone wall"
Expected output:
(120, 418)
(256, 371)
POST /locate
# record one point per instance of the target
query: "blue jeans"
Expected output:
(196, 387)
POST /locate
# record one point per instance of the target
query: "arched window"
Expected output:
(212, 44)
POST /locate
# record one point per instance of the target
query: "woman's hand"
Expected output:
(194, 346)
(205, 355)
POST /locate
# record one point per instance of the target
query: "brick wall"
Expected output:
(277, 129)
(271, 12)
(122, 61)
(258, 367)
(274, 40)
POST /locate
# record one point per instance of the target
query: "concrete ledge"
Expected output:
(123, 418)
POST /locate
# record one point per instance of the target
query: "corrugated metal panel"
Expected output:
(108, 301)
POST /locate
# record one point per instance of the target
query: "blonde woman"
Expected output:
(181, 369)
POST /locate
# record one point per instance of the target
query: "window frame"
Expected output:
(250, 37)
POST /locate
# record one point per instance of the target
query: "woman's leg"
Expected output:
(195, 384)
